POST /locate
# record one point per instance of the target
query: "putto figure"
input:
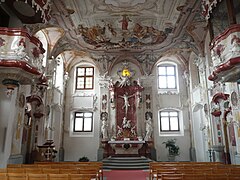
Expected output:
(126, 123)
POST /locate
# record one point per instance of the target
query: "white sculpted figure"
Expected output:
(126, 123)
(138, 99)
(104, 129)
(126, 102)
(133, 131)
(125, 81)
(119, 132)
(104, 125)
(149, 126)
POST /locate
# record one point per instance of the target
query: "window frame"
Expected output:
(74, 121)
(84, 76)
(167, 64)
(169, 120)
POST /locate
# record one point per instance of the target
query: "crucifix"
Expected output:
(126, 101)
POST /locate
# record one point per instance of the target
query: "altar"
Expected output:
(123, 147)
(126, 128)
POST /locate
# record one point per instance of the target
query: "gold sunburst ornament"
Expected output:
(126, 72)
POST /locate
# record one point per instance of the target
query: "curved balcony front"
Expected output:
(21, 56)
(225, 53)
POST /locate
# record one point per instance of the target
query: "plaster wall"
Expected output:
(201, 151)
(77, 145)
(178, 101)
(7, 119)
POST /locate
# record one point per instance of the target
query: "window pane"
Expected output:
(80, 71)
(164, 113)
(78, 124)
(170, 71)
(88, 82)
(79, 114)
(87, 124)
(80, 82)
(171, 82)
(165, 124)
(88, 115)
(173, 113)
(161, 70)
(174, 123)
(89, 71)
(162, 82)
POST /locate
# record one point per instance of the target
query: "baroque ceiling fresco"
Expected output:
(143, 29)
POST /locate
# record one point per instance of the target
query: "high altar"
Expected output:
(126, 100)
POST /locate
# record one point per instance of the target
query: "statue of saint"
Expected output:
(104, 129)
(104, 125)
(149, 126)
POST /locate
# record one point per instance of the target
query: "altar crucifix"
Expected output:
(126, 102)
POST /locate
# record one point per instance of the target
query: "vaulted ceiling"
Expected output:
(132, 26)
(123, 28)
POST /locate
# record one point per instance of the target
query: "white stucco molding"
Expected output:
(84, 101)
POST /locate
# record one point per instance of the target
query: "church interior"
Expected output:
(96, 79)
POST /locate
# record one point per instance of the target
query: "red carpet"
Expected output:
(126, 175)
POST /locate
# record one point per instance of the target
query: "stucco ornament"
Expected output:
(125, 74)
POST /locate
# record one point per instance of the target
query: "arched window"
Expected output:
(167, 76)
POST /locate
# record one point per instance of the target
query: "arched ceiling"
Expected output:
(135, 26)
(142, 29)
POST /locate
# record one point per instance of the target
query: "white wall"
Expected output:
(77, 145)
(7, 122)
(178, 101)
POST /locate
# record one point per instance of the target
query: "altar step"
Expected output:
(126, 163)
